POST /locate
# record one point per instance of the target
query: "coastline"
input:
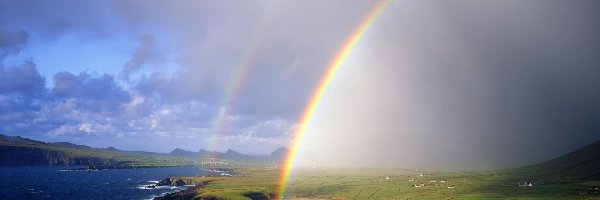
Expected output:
(52, 182)
(186, 194)
(110, 167)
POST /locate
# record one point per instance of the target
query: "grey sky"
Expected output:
(449, 84)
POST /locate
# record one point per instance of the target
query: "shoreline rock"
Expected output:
(171, 182)
(187, 194)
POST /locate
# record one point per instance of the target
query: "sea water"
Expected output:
(62, 183)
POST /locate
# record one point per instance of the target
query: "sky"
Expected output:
(439, 84)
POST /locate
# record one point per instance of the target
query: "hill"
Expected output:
(581, 164)
(279, 153)
(228, 155)
(19, 151)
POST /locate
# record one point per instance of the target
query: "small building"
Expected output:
(526, 184)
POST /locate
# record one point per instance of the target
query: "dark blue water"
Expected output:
(55, 183)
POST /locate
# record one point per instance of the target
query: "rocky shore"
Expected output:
(190, 192)
(186, 194)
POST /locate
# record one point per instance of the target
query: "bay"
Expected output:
(61, 183)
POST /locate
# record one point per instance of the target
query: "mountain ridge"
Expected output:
(21, 151)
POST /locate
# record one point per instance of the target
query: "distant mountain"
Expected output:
(19, 151)
(582, 164)
(71, 145)
(228, 155)
(181, 152)
(111, 149)
(232, 152)
(280, 152)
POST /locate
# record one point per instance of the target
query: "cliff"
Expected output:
(28, 156)
(19, 151)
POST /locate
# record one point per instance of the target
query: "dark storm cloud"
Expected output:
(28, 107)
(11, 41)
(94, 93)
(22, 91)
(23, 78)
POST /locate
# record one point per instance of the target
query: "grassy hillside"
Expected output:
(19, 151)
(582, 164)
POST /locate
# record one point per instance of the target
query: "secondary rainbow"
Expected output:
(238, 77)
(333, 68)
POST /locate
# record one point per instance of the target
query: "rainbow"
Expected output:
(232, 92)
(239, 74)
(333, 68)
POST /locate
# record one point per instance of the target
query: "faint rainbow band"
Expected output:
(241, 70)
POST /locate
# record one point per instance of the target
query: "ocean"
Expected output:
(61, 183)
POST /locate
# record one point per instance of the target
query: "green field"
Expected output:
(328, 183)
(575, 175)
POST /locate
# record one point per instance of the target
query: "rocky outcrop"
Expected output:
(172, 182)
(186, 194)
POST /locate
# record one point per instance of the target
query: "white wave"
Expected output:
(145, 187)
(153, 186)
